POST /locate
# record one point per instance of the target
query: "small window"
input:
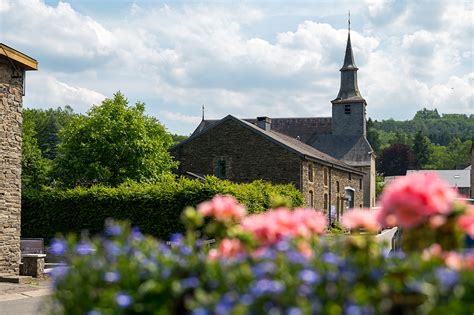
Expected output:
(325, 176)
(310, 172)
(311, 199)
(350, 176)
(325, 201)
(347, 109)
(337, 187)
(221, 169)
(360, 183)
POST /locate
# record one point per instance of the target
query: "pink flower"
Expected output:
(272, 226)
(230, 247)
(361, 219)
(437, 221)
(223, 208)
(414, 198)
(454, 260)
(227, 248)
(434, 251)
(466, 221)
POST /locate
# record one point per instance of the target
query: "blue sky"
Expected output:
(246, 58)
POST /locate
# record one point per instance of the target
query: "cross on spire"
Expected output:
(349, 22)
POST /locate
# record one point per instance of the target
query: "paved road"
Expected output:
(26, 306)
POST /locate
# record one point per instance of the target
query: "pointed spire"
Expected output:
(202, 111)
(349, 56)
(349, 88)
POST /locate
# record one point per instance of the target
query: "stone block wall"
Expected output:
(11, 91)
(247, 155)
(336, 177)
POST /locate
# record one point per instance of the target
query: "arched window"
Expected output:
(325, 201)
(311, 199)
(338, 189)
(325, 176)
(310, 172)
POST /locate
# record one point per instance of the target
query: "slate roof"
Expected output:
(352, 150)
(303, 128)
(315, 132)
(454, 178)
(288, 142)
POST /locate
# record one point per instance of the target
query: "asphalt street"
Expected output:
(26, 306)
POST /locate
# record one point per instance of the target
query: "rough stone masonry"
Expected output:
(12, 71)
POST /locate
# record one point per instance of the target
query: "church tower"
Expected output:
(348, 109)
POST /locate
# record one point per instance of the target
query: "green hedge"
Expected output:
(154, 208)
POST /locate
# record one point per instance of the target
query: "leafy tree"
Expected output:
(113, 143)
(422, 148)
(34, 167)
(178, 138)
(396, 160)
(427, 114)
(47, 124)
(454, 156)
(373, 136)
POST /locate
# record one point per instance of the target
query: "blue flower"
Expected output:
(112, 276)
(111, 248)
(294, 311)
(176, 238)
(185, 250)
(353, 309)
(265, 286)
(200, 311)
(246, 299)
(123, 300)
(94, 313)
(191, 282)
(283, 245)
(263, 268)
(84, 248)
(447, 277)
(58, 247)
(59, 272)
(309, 276)
(331, 258)
(296, 257)
(136, 234)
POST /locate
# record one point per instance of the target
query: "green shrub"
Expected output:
(154, 208)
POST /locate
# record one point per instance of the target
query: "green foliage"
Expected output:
(113, 143)
(396, 160)
(35, 168)
(454, 156)
(379, 186)
(155, 208)
(178, 138)
(422, 148)
(47, 124)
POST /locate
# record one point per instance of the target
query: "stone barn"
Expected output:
(13, 65)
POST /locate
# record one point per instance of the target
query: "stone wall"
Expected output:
(336, 178)
(248, 156)
(11, 90)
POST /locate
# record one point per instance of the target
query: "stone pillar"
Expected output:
(12, 70)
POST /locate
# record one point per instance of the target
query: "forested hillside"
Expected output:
(428, 141)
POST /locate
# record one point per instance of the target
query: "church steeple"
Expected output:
(349, 89)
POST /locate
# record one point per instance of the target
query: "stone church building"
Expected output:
(13, 65)
(327, 158)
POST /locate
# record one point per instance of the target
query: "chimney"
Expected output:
(264, 122)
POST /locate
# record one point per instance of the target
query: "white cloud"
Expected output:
(178, 57)
(43, 91)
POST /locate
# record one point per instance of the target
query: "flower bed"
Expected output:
(276, 262)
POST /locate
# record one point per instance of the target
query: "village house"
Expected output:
(13, 65)
(327, 158)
